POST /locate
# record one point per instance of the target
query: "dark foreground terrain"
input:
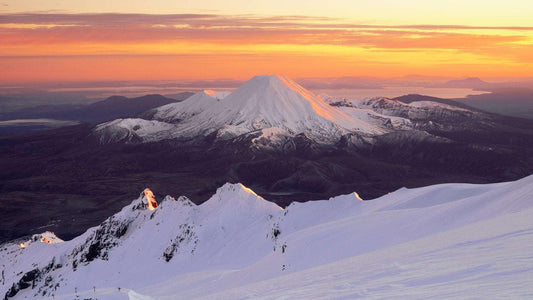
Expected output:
(63, 180)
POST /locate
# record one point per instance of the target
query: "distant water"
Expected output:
(28, 125)
(37, 122)
(392, 92)
(133, 91)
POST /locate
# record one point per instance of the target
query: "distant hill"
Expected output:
(467, 83)
(109, 109)
(517, 102)
(119, 107)
(512, 105)
(417, 97)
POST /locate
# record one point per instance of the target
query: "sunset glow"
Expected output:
(151, 203)
(128, 41)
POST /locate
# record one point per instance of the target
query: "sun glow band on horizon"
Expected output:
(103, 46)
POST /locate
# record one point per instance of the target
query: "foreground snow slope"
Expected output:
(445, 241)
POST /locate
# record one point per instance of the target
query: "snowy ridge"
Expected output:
(176, 112)
(47, 237)
(446, 239)
(133, 130)
(217, 94)
(417, 110)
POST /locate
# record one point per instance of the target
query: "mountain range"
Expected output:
(100, 111)
(271, 134)
(276, 108)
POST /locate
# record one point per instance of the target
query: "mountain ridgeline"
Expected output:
(239, 245)
(271, 134)
(101, 111)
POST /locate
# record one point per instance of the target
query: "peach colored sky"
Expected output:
(138, 40)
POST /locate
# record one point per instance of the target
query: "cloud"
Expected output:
(194, 20)
(268, 43)
(38, 29)
(217, 20)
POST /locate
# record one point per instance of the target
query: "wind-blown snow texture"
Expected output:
(457, 241)
(277, 104)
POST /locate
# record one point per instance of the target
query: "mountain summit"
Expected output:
(274, 101)
(277, 101)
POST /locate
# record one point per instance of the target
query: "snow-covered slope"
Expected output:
(271, 102)
(450, 240)
(133, 130)
(418, 110)
(384, 122)
(176, 112)
(276, 101)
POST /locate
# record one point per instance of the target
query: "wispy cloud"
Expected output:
(259, 41)
(216, 20)
(17, 29)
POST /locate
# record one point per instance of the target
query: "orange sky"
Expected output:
(72, 44)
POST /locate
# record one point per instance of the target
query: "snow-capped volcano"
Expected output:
(274, 113)
(447, 239)
(276, 101)
(271, 102)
